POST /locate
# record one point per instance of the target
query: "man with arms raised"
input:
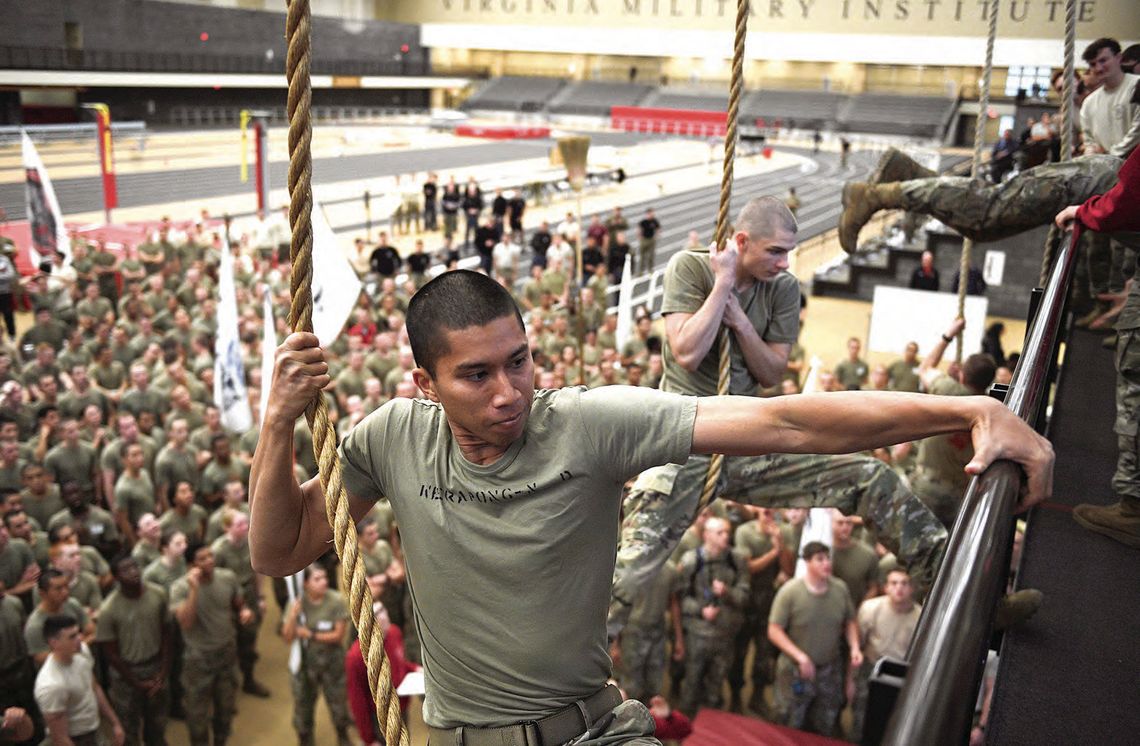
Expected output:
(508, 501)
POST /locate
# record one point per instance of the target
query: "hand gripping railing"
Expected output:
(948, 652)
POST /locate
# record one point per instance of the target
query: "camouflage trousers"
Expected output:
(707, 658)
(642, 661)
(1126, 480)
(247, 646)
(812, 705)
(663, 503)
(209, 680)
(943, 498)
(322, 672)
(862, 694)
(143, 718)
(754, 631)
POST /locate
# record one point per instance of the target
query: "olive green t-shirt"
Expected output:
(773, 307)
(12, 647)
(172, 466)
(34, 627)
(215, 629)
(510, 564)
(192, 524)
(322, 617)
(14, 559)
(943, 458)
(42, 508)
(236, 560)
(109, 377)
(214, 527)
(215, 475)
(858, 567)
(814, 623)
(164, 577)
(852, 374)
(134, 623)
(144, 553)
(751, 540)
(134, 496)
(378, 559)
(901, 376)
(652, 600)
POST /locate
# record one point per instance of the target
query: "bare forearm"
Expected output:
(853, 635)
(778, 637)
(288, 528)
(840, 422)
(692, 340)
(766, 362)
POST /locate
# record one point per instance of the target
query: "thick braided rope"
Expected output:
(976, 165)
(1054, 237)
(736, 87)
(298, 32)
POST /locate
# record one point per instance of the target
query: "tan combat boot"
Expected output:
(860, 202)
(895, 165)
(1120, 521)
(1015, 608)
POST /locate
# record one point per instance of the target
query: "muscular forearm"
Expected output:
(766, 362)
(839, 422)
(692, 339)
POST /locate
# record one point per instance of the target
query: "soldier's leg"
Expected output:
(792, 694)
(225, 694)
(823, 715)
(177, 707)
(634, 654)
(152, 710)
(656, 513)
(197, 683)
(1099, 255)
(125, 701)
(716, 670)
(856, 485)
(304, 702)
(332, 682)
(653, 665)
(628, 724)
(859, 706)
(735, 673)
(761, 660)
(698, 653)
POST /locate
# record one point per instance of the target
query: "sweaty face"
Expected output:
(764, 257)
(485, 382)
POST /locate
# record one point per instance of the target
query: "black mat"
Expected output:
(1072, 674)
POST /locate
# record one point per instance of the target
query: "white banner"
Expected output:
(625, 306)
(816, 528)
(336, 287)
(45, 220)
(230, 394)
(268, 352)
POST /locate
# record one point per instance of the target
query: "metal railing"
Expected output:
(947, 655)
(115, 60)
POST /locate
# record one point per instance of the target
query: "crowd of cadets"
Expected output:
(111, 448)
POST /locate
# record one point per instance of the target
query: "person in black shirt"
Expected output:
(499, 207)
(516, 206)
(450, 203)
(418, 263)
(615, 261)
(647, 247)
(486, 236)
(384, 261)
(539, 243)
(472, 206)
(591, 257)
(430, 191)
(448, 255)
(925, 276)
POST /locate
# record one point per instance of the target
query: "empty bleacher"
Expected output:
(594, 98)
(792, 109)
(514, 93)
(918, 116)
(680, 98)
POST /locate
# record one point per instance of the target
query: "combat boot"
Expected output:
(895, 165)
(1015, 608)
(1119, 521)
(860, 202)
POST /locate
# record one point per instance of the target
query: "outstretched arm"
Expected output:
(848, 422)
(288, 527)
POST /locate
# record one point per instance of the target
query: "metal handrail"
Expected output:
(948, 652)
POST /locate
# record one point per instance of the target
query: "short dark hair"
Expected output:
(192, 548)
(812, 548)
(1092, 50)
(455, 300)
(57, 623)
(978, 371)
(1130, 54)
(47, 576)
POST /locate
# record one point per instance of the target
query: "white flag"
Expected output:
(294, 585)
(625, 305)
(268, 352)
(49, 234)
(336, 287)
(816, 528)
(229, 374)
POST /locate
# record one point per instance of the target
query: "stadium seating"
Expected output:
(896, 115)
(596, 97)
(802, 109)
(514, 93)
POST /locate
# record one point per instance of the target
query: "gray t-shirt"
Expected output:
(773, 307)
(510, 564)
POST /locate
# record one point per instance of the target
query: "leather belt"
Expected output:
(553, 730)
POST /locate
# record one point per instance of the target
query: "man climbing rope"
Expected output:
(508, 500)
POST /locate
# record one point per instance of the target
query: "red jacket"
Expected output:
(356, 682)
(1118, 209)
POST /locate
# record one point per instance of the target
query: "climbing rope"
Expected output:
(1054, 238)
(736, 87)
(976, 165)
(298, 32)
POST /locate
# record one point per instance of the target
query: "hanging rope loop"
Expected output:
(298, 31)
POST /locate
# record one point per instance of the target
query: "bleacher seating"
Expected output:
(515, 93)
(596, 97)
(920, 116)
(680, 98)
(794, 109)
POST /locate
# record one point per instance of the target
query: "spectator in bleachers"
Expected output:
(647, 246)
(852, 373)
(472, 204)
(431, 201)
(450, 202)
(902, 374)
(540, 241)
